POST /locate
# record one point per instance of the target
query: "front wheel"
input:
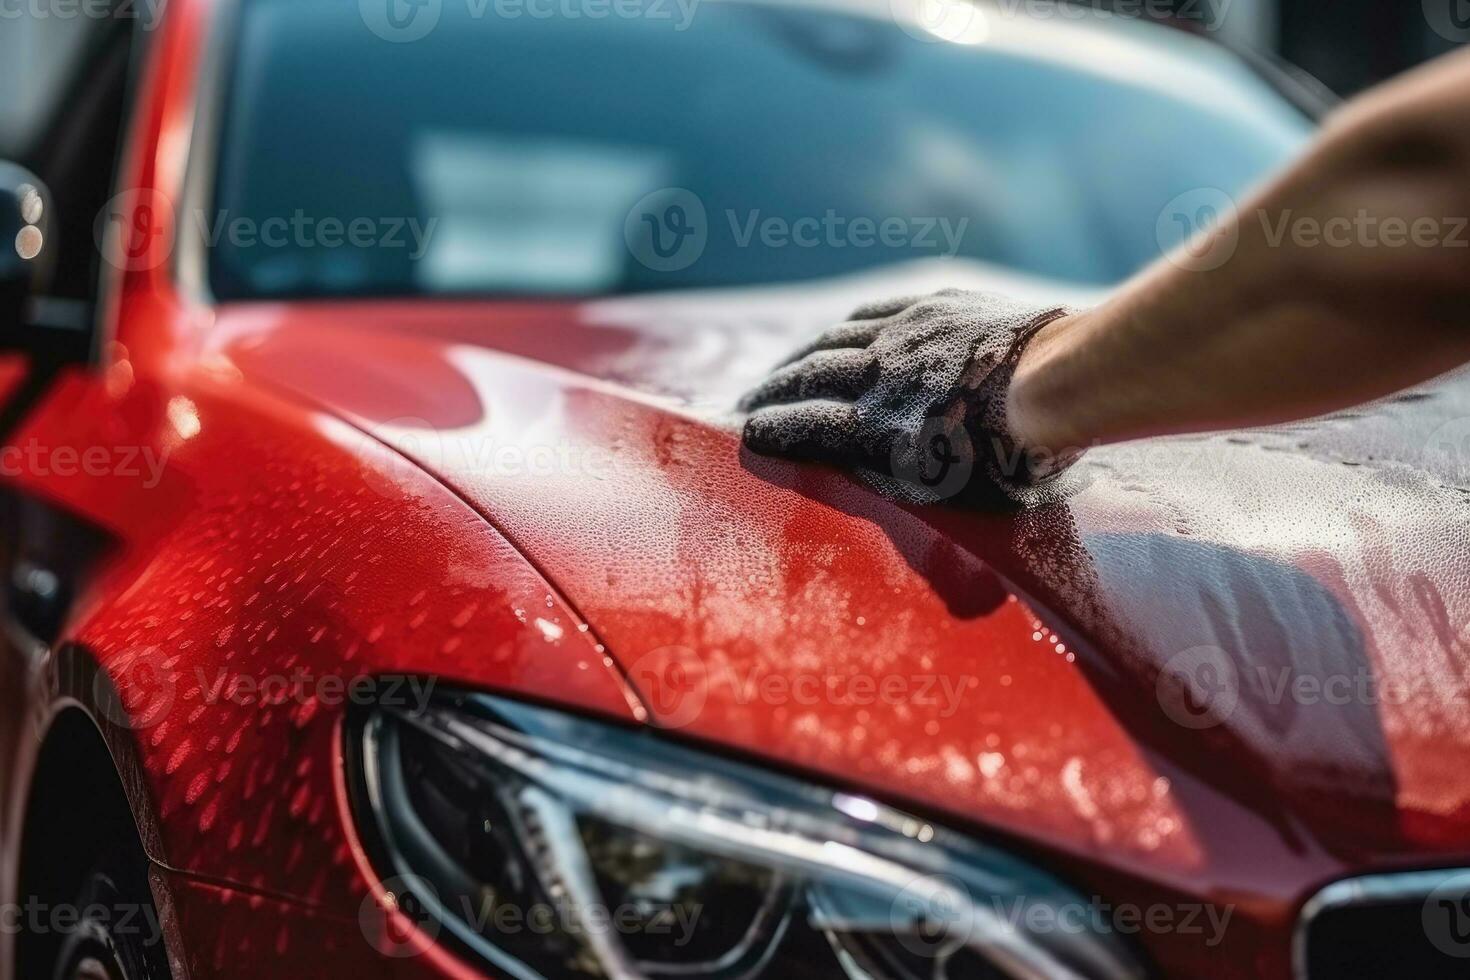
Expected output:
(117, 936)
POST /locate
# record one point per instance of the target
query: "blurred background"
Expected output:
(1347, 44)
(64, 64)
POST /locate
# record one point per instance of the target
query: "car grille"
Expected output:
(1415, 924)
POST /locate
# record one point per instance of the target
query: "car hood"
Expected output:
(1239, 661)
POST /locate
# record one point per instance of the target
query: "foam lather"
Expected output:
(911, 394)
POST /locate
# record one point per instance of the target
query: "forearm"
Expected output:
(1284, 328)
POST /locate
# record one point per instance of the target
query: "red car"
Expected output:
(389, 593)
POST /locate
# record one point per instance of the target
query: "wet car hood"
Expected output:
(1238, 660)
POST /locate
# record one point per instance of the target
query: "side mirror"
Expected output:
(25, 249)
(53, 331)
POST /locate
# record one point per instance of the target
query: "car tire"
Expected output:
(114, 938)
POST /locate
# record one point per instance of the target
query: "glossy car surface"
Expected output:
(548, 499)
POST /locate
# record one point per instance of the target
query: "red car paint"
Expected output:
(339, 494)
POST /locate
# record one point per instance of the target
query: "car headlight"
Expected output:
(553, 846)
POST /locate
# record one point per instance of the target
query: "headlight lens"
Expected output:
(553, 846)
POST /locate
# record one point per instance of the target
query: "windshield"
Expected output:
(541, 150)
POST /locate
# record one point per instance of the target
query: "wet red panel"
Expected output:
(764, 605)
(229, 933)
(275, 569)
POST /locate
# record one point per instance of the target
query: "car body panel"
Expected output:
(271, 547)
(722, 582)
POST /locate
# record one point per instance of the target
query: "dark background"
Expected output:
(1346, 44)
(1350, 44)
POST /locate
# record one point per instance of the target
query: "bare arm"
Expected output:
(1349, 279)
(1346, 278)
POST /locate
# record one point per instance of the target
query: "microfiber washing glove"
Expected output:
(911, 392)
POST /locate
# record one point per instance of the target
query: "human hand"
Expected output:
(911, 392)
